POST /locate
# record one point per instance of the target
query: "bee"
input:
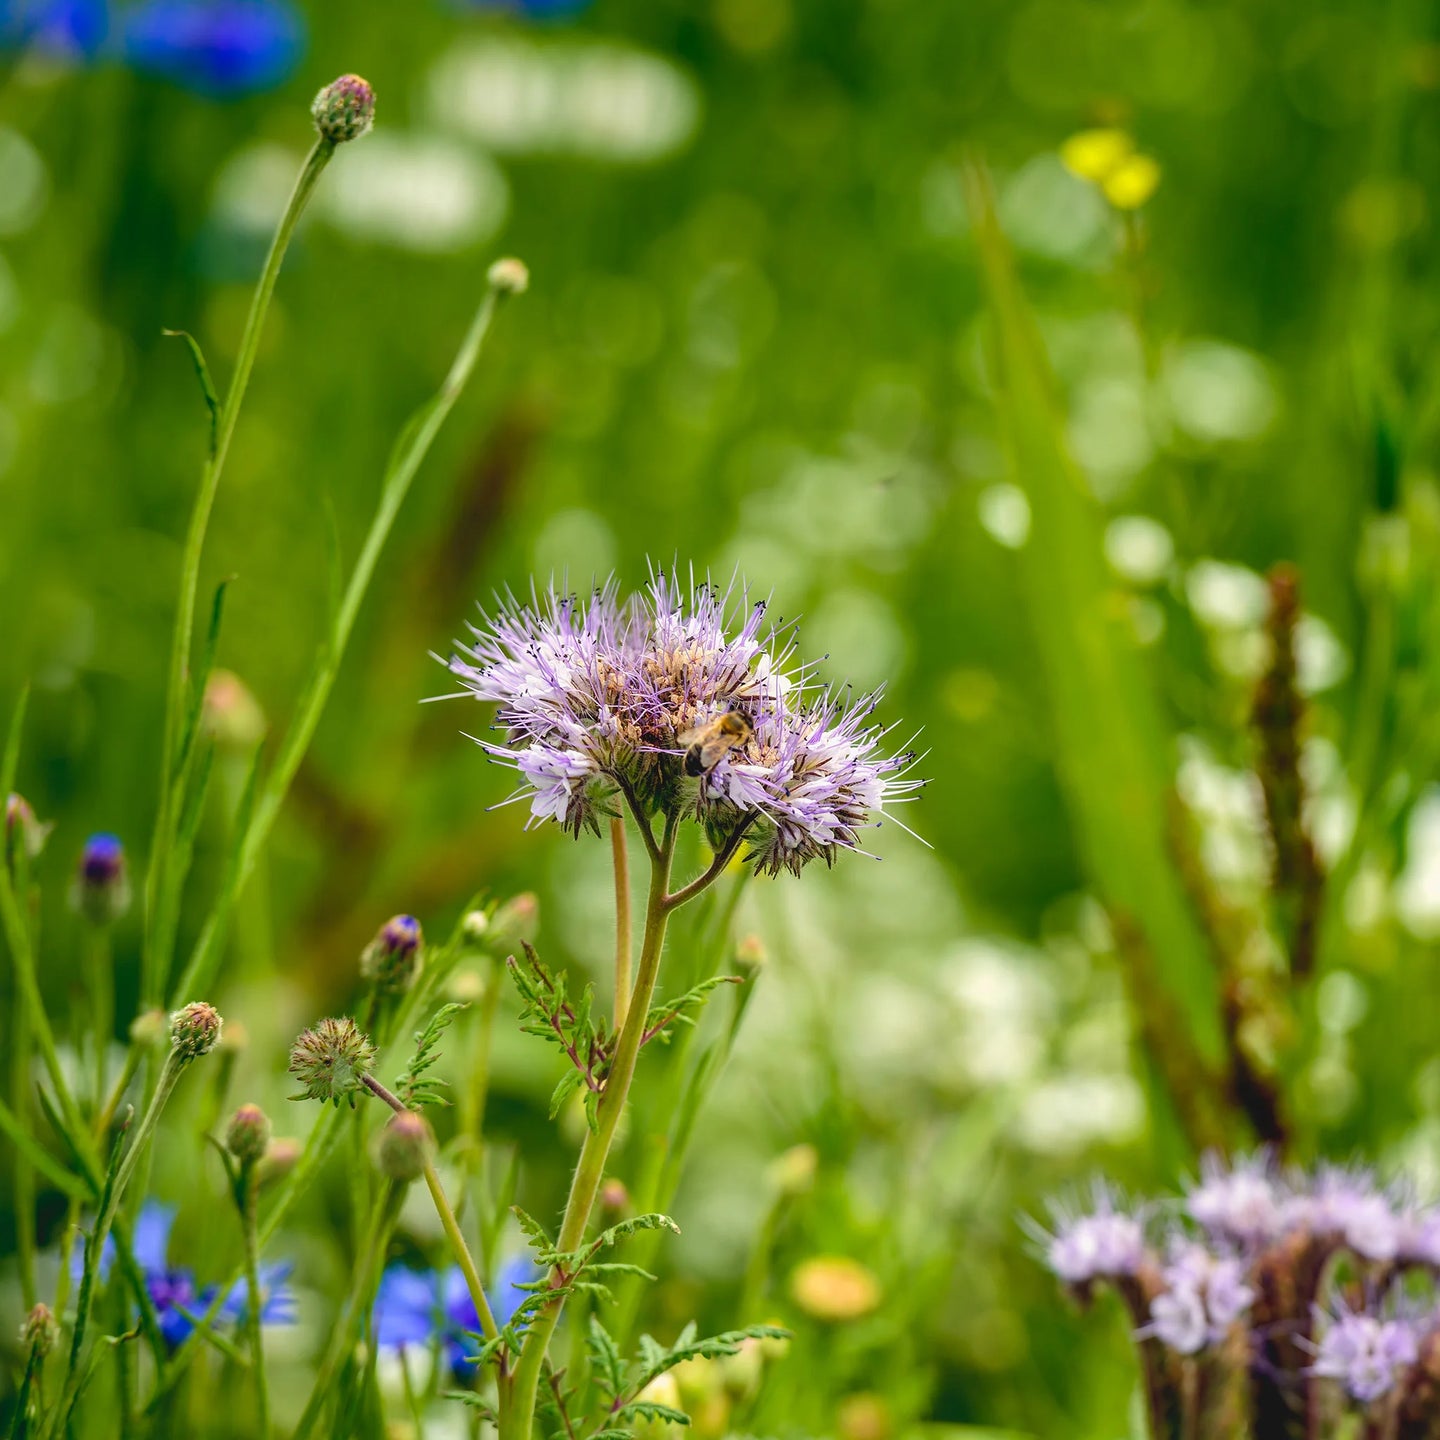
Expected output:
(708, 744)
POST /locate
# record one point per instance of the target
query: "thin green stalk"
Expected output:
(476, 1094)
(100, 980)
(458, 1245)
(590, 1169)
(254, 1306)
(413, 446)
(620, 852)
(383, 1215)
(24, 1171)
(161, 891)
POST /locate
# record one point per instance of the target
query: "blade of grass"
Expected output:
(1111, 749)
(410, 451)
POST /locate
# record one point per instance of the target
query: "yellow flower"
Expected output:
(1095, 154)
(832, 1287)
(1132, 183)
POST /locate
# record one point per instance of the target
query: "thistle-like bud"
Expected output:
(510, 276)
(403, 1147)
(332, 1060)
(280, 1159)
(230, 714)
(194, 1031)
(391, 961)
(516, 920)
(150, 1029)
(101, 889)
(344, 109)
(39, 1332)
(247, 1137)
(22, 830)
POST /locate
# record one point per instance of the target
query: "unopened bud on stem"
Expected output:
(194, 1031)
(247, 1137)
(344, 109)
(403, 1147)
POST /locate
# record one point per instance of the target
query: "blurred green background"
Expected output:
(755, 337)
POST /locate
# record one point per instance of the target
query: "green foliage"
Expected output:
(416, 1087)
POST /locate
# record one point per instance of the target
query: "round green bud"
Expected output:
(247, 1137)
(344, 109)
(150, 1029)
(195, 1031)
(282, 1156)
(402, 1149)
(510, 276)
(391, 961)
(331, 1060)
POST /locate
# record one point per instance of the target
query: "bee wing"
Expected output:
(691, 736)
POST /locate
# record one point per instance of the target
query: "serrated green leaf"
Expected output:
(567, 1085)
(649, 1410)
(534, 1232)
(605, 1360)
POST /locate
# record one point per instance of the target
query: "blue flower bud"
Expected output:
(391, 960)
(101, 890)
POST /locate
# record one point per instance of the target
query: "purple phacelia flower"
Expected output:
(1346, 1205)
(1419, 1236)
(604, 695)
(1102, 1243)
(1240, 1204)
(1204, 1296)
(1368, 1354)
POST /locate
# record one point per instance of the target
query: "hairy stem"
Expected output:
(619, 850)
(590, 1169)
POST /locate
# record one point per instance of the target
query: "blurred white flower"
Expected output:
(1005, 514)
(605, 101)
(1219, 392)
(1417, 892)
(1139, 549)
(1225, 596)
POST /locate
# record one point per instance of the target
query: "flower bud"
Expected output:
(101, 889)
(150, 1029)
(793, 1173)
(864, 1416)
(403, 1147)
(834, 1287)
(391, 961)
(247, 1137)
(22, 830)
(39, 1331)
(750, 953)
(475, 926)
(509, 276)
(332, 1060)
(231, 715)
(195, 1031)
(516, 920)
(344, 109)
(236, 1039)
(615, 1199)
(282, 1156)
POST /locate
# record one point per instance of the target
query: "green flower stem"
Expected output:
(24, 1171)
(519, 1422)
(368, 1264)
(161, 887)
(619, 849)
(411, 449)
(451, 1225)
(473, 1118)
(249, 1223)
(100, 980)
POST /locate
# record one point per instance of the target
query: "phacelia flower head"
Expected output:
(1240, 1204)
(101, 888)
(1368, 1354)
(247, 1137)
(344, 109)
(1102, 1243)
(391, 960)
(23, 832)
(1346, 1206)
(1204, 1296)
(223, 48)
(681, 699)
(418, 1307)
(194, 1031)
(331, 1060)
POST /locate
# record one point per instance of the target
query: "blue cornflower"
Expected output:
(416, 1307)
(217, 47)
(172, 1288)
(65, 29)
